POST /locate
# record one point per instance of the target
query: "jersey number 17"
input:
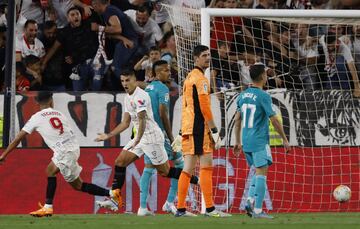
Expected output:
(244, 109)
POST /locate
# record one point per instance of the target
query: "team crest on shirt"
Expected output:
(166, 97)
(205, 87)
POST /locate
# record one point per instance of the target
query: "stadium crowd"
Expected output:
(60, 45)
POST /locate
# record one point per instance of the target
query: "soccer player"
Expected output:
(160, 102)
(199, 134)
(56, 131)
(149, 139)
(254, 109)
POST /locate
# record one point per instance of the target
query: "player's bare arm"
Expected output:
(166, 121)
(125, 123)
(142, 124)
(22, 134)
(237, 147)
(279, 128)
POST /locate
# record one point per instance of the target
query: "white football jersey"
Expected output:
(26, 49)
(137, 102)
(55, 129)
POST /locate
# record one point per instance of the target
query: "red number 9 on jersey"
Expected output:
(57, 124)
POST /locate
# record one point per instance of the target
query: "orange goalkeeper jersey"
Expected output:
(196, 104)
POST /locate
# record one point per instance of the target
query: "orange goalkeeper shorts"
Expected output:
(197, 144)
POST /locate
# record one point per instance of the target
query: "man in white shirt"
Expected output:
(28, 44)
(148, 30)
(148, 140)
(340, 66)
(57, 133)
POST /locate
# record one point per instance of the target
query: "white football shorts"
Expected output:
(156, 152)
(67, 162)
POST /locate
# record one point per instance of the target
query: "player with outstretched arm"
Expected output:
(57, 133)
(149, 138)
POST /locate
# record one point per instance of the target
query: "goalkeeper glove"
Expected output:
(216, 137)
(176, 144)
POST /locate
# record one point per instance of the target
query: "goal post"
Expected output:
(313, 67)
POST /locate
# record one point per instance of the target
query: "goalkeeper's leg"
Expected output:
(184, 183)
(206, 185)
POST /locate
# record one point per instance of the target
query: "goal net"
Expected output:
(313, 62)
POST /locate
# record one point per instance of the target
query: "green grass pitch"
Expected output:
(122, 221)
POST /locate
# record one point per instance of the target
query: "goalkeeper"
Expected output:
(254, 110)
(199, 134)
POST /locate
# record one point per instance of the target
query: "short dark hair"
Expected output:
(49, 25)
(31, 59)
(74, 8)
(221, 43)
(330, 38)
(154, 48)
(127, 72)
(44, 96)
(143, 9)
(198, 49)
(29, 21)
(256, 71)
(158, 63)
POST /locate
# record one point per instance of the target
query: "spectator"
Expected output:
(149, 31)
(28, 44)
(22, 82)
(53, 79)
(80, 45)
(161, 15)
(168, 53)
(185, 23)
(33, 10)
(86, 6)
(147, 61)
(33, 71)
(356, 46)
(60, 8)
(118, 28)
(222, 75)
(307, 47)
(20, 20)
(230, 29)
(340, 66)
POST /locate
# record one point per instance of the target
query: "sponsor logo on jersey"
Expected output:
(141, 102)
